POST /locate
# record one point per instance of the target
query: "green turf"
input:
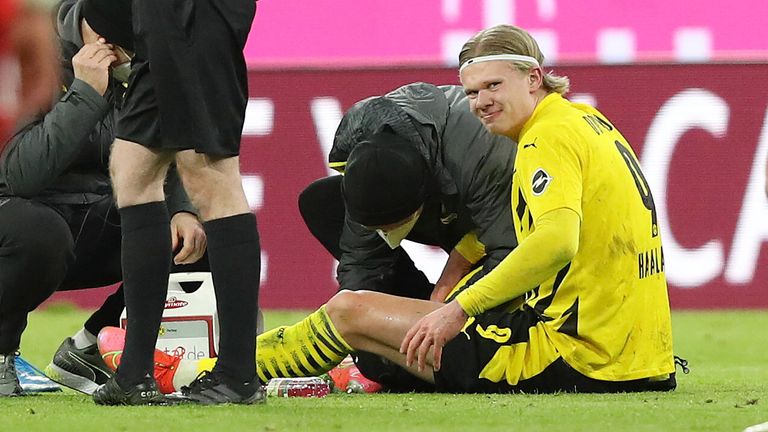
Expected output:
(727, 390)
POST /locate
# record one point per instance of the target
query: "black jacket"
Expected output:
(471, 175)
(62, 157)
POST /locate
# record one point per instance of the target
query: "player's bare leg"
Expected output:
(350, 321)
(377, 323)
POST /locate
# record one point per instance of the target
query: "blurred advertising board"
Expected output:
(431, 32)
(700, 131)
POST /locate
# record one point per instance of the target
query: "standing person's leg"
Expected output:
(137, 175)
(234, 254)
(209, 70)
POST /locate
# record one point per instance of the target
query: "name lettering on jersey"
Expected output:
(540, 181)
(650, 262)
(494, 333)
(598, 124)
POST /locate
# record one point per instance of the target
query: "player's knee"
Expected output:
(346, 309)
(315, 199)
(309, 202)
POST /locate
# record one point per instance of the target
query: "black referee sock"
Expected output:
(108, 314)
(146, 257)
(235, 257)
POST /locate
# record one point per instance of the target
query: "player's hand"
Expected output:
(91, 64)
(187, 229)
(432, 332)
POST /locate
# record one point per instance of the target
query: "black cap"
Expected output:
(111, 19)
(385, 180)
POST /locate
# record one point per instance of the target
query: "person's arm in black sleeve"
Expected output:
(43, 150)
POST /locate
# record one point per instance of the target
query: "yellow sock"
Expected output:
(308, 348)
(205, 364)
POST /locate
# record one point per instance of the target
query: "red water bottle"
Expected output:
(301, 387)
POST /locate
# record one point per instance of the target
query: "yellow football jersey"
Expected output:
(607, 312)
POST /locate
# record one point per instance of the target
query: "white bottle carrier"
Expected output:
(190, 324)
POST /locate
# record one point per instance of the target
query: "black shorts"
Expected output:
(189, 85)
(464, 358)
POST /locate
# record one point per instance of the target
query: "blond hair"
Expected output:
(508, 39)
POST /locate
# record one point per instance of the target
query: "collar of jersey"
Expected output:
(543, 106)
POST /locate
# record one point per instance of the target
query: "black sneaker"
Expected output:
(212, 388)
(80, 369)
(144, 393)
(9, 380)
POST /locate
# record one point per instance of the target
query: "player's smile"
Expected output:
(488, 117)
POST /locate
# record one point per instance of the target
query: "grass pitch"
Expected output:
(727, 390)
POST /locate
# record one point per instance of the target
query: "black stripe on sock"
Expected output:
(311, 360)
(276, 368)
(322, 339)
(301, 366)
(262, 368)
(321, 354)
(334, 344)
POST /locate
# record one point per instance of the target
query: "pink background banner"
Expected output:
(349, 32)
(702, 139)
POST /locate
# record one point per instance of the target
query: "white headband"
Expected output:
(510, 57)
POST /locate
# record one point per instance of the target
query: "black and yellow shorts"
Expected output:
(477, 359)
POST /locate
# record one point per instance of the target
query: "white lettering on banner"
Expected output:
(547, 9)
(254, 192)
(253, 186)
(583, 98)
(259, 121)
(689, 109)
(259, 117)
(326, 114)
(498, 12)
(451, 10)
(752, 229)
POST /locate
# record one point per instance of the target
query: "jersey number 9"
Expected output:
(642, 185)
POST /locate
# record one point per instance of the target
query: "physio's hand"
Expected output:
(440, 292)
(91, 64)
(433, 331)
(455, 269)
(186, 228)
